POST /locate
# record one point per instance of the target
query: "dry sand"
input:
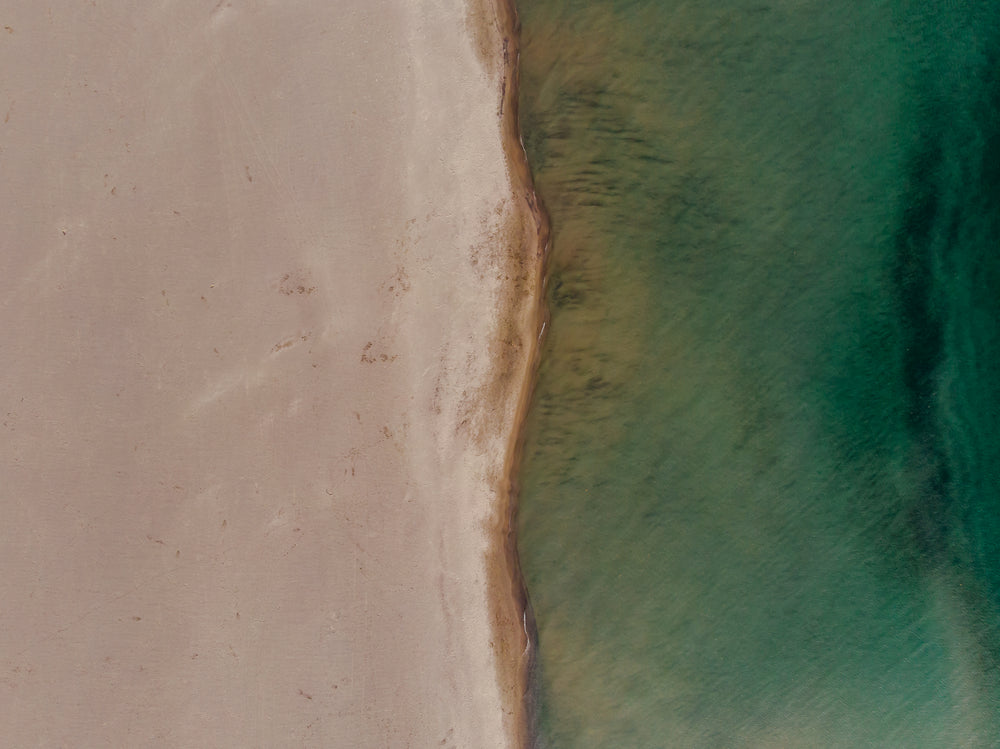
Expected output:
(268, 293)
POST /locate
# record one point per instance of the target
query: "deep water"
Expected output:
(760, 488)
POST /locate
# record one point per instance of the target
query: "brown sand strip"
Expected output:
(515, 629)
(269, 278)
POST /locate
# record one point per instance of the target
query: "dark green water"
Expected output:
(760, 493)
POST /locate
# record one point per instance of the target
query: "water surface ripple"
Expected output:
(760, 491)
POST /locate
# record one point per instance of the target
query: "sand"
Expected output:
(269, 283)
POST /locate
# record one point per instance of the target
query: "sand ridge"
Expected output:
(256, 291)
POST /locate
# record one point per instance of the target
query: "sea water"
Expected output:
(761, 489)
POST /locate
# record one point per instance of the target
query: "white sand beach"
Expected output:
(268, 291)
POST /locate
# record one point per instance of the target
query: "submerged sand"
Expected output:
(268, 291)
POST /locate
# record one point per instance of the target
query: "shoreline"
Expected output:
(506, 582)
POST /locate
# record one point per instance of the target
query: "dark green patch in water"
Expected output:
(760, 492)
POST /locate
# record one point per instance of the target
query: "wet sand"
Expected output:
(269, 291)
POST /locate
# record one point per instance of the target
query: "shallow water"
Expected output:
(759, 503)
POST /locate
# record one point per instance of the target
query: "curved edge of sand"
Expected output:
(525, 318)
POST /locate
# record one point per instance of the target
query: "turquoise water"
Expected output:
(760, 488)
